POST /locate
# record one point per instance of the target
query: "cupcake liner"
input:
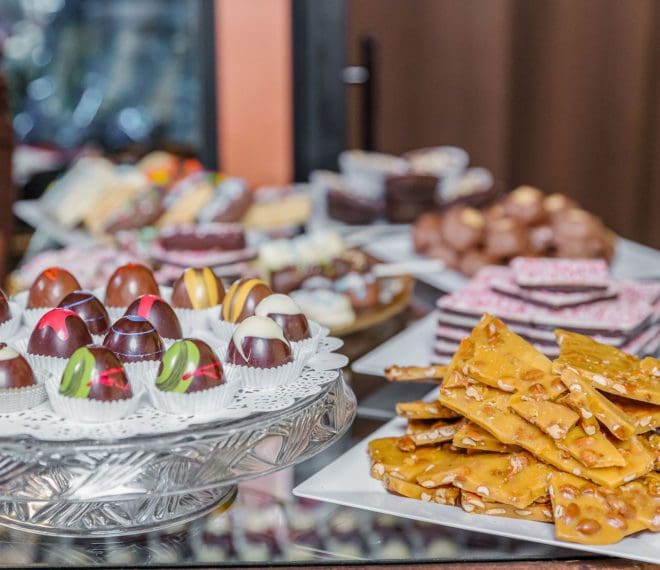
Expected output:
(222, 329)
(305, 349)
(10, 327)
(197, 319)
(19, 399)
(115, 313)
(31, 316)
(205, 403)
(55, 365)
(90, 411)
(265, 378)
(142, 373)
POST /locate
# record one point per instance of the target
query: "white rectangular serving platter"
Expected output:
(632, 261)
(411, 347)
(347, 482)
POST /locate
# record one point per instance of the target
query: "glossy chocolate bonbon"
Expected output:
(259, 342)
(242, 298)
(60, 332)
(197, 288)
(287, 314)
(5, 312)
(156, 310)
(134, 339)
(189, 365)
(15, 372)
(90, 310)
(50, 287)
(129, 282)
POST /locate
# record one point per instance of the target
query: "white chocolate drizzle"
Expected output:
(277, 304)
(8, 353)
(257, 327)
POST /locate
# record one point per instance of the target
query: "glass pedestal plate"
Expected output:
(144, 483)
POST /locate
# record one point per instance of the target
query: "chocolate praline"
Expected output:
(129, 282)
(259, 342)
(15, 372)
(134, 339)
(5, 312)
(287, 314)
(95, 373)
(90, 310)
(60, 332)
(156, 310)
(197, 289)
(241, 299)
(50, 287)
(189, 365)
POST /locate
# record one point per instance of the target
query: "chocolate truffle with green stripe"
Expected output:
(95, 373)
(189, 365)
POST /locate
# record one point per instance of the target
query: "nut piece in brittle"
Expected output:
(433, 373)
(653, 443)
(420, 410)
(608, 368)
(554, 419)
(475, 504)
(442, 495)
(471, 436)
(578, 403)
(645, 416)
(591, 450)
(515, 479)
(438, 432)
(492, 413)
(587, 514)
(609, 414)
(497, 357)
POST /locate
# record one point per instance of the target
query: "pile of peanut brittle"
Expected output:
(514, 434)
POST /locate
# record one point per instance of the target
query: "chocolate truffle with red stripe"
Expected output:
(189, 365)
(50, 287)
(259, 342)
(242, 298)
(90, 310)
(129, 282)
(133, 339)
(95, 373)
(286, 313)
(5, 312)
(197, 289)
(15, 372)
(59, 332)
(156, 310)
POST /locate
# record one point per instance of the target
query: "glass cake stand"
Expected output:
(144, 483)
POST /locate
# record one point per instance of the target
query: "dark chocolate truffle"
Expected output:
(155, 310)
(259, 342)
(189, 365)
(90, 310)
(284, 311)
(241, 299)
(52, 285)
(60, 332)
(15, 372)
(5, 313)
(134, 339)
(129, 282)
(95, 373)
(197, 289)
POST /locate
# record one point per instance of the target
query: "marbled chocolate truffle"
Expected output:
(129, 282)
(259, 342)
(134, 339)
(95, 373)
(60, 332)
(15, 372)
(286, 313)
(156, 310)
(189, 365)
(50, 287)
(197, 289)
(242, 298)
(90, 310)
(5, 312)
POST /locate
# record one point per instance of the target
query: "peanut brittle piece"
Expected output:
(388, 459)
(442, 495)
(608, 368)
(489, 408)
(653, 443)
(645, 416)
(421, 410)
(578, 403)
(439, 432)
(552, 418)
(591, 450)
(497, 357)
(515, 479)
(477, 505)
(471, 436)
(609, 414)
(587, 514)
(643, 495)
(415, 373)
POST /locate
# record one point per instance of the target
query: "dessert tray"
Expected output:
(153, 469)
(347, 482)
